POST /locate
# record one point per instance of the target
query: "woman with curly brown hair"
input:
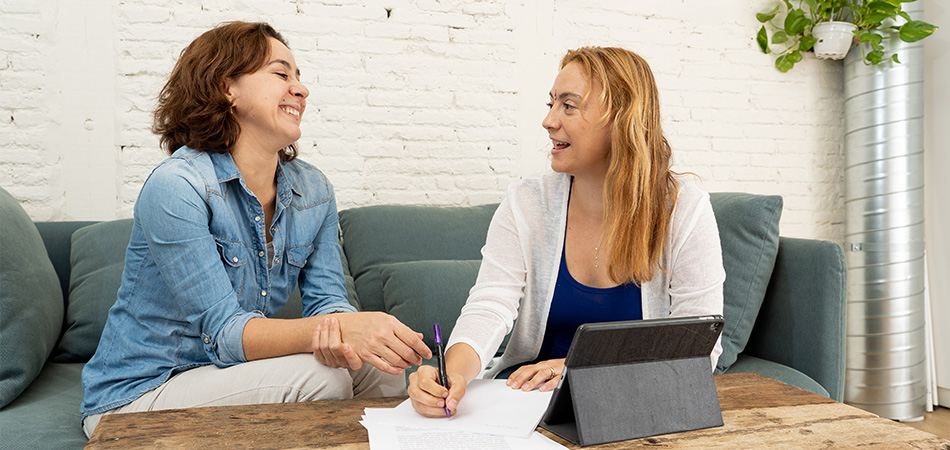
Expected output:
(611, 234)
(224, 229)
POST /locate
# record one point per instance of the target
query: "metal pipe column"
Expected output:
(884, 199)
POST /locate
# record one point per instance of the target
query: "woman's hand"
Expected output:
(429, 398)
(543, 375)
(329, 349)
(350, 339)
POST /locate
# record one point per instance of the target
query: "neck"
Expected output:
(258, 167)
(587, 196)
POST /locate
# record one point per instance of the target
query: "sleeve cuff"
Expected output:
(227, 349)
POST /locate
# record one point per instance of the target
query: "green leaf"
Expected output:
(876, 40)
(916, 30)
(779, 37)
(885, 6)
(864, 37)
(904, 15)
(875, 18)
(812, 6)
(894, 58)
(763, 39)
(783, 64)
(795, 22)
(765, 17)
(875, 57)
(795, 56)
(806, 43)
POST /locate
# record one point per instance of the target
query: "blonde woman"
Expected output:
(611, 234)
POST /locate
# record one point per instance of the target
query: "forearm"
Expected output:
(462, 359)
(270, 338)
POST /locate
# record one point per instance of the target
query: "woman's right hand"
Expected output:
(429, 398)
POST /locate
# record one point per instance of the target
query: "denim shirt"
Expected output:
(196, 271)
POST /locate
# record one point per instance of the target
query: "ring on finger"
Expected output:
(553, 373)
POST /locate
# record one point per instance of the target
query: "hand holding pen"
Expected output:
(440, 354)
(436, 391)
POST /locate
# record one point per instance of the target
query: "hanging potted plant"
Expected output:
(828, 27)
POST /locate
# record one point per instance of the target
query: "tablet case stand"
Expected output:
(618, 402)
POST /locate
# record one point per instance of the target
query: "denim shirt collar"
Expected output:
(226, 170)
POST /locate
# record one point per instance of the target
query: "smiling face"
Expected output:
(580, 139)
(269, 102)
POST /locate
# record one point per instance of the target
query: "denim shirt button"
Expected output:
(264, 293)
(261, 254)
(277, 261)
(207, 340)
(257, 218)
(235, 259)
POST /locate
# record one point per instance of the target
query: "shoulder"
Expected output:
(689, 193)
(309, 184)
(545, 190)
(185, 167)
(692, 206)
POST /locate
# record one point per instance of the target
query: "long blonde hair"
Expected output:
(640, 189)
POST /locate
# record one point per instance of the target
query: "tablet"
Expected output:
(635, 358)
(609, 343)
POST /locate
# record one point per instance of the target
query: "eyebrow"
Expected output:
(285, 64)
(564, 95)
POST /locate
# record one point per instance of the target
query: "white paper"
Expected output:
(384, 436)
(489, 406)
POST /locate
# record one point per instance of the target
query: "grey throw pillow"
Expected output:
(31, 301)
(97, 259)
(423, 293)
(749, 234)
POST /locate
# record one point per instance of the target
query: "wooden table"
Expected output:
(758, 412)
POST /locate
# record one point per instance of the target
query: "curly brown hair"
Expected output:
(193, 108)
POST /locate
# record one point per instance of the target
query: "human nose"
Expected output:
(550, 121)
(299, 90)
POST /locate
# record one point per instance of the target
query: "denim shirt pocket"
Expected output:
(234, 254)
(297, 255)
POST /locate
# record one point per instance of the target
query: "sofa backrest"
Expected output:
(415, 262)
(375, 236)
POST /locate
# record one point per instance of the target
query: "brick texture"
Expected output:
(431, 101)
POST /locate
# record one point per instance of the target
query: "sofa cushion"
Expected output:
(423, 293)
(97, 258)
(46, 416)
(776, 371)
(31, 300)
(748, 232)
(385, 234)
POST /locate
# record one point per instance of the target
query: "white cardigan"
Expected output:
(520, 262)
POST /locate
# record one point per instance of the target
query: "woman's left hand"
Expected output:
(543, 375)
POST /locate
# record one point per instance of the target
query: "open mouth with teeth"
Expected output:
(558, 145)
(292, 111)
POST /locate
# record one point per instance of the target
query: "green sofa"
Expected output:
(784, 311)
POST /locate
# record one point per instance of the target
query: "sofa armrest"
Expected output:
(802, 320)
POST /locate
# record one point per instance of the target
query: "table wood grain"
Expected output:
(757, 412)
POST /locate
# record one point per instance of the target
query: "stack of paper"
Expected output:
(491, 416)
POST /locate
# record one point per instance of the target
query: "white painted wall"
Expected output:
(436, 102)
(937, 185)
(440, 102)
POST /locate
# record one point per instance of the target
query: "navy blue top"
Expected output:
(574, 304)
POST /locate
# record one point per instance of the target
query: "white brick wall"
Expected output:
(414, 101)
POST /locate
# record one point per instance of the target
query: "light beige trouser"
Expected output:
(294, 378)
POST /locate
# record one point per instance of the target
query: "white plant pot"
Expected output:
(834, 39)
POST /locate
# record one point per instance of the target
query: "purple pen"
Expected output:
(443, 378)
